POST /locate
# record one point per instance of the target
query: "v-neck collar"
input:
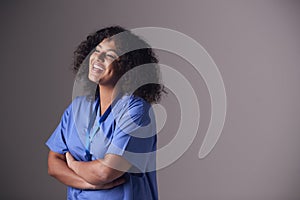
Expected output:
(105, 114)
(108, 110)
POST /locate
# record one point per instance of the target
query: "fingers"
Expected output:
(68, 156)
(69, 159)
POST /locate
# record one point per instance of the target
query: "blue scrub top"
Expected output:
(127, 128)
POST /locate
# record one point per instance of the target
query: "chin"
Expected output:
(93, 79)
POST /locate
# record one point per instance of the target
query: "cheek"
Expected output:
(92, 57)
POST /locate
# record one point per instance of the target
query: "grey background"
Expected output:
(255, 45)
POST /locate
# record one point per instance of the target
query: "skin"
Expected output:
(102, 173)
(58, 168)
(105, 53)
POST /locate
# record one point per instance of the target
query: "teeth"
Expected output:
(98, 67)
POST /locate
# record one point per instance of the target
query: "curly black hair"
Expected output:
(134, 53)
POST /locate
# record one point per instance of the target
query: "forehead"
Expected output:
(107, 44)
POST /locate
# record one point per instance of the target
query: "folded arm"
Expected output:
(101, 171)
(58, 168)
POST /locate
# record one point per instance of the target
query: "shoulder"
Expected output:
(130, 106)
(79, 105)
(80, 102)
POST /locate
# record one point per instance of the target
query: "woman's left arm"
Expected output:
(99, 171)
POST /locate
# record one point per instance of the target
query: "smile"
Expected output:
(97, 67)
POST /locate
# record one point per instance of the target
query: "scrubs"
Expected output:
(127, 128)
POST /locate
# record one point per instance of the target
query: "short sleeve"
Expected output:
(134, 137)
(57, 142)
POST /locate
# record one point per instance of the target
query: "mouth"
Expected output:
(97, 68)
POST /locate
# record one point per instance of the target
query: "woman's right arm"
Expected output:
(58, 168)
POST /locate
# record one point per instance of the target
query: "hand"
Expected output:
(70, 160)
(73, 165)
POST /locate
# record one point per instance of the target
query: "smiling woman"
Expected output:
(96, 148)
(101, 70)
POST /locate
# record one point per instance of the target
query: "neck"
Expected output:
(106, 97)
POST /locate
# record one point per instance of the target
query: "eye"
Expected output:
(111, 56)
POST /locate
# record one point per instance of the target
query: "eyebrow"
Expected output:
(108, 49)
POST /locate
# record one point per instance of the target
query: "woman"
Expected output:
(104, 147)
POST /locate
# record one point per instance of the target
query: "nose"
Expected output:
(101, 56)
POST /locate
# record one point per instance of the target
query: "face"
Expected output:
(100, 69)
